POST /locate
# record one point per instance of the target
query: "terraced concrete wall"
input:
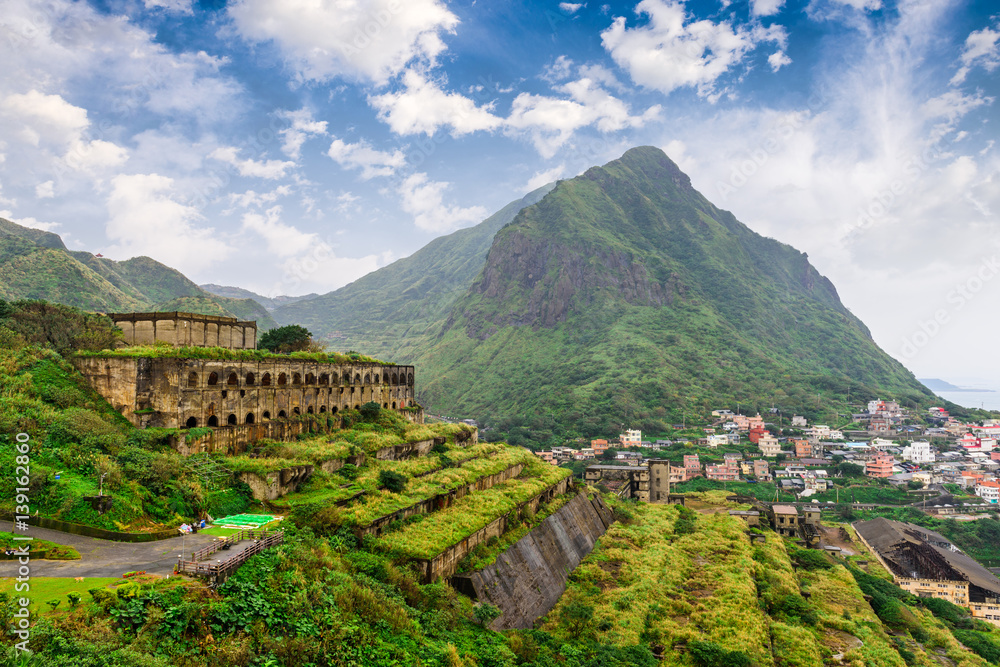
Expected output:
(527, 579)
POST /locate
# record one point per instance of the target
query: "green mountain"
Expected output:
(625, 297)
(240, 293)
(391, 312)
(35, 264)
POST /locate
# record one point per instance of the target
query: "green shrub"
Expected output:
(710, 654)
(486, 613)
(370, 411)
(392, 481)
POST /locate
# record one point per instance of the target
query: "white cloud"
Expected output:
(666, 53)
(424, 200)
(282, 239)
(176, 6)
(777, 60)
(861, 5)
(301, 127)
(269, 169)
(571, 7)
(253, 199)
(541, 178)
(45, 190)
(982, 47)
(30, 222)
(372, 39)
(370, 161)
(422, 108)
(145, 219)
(766, 7)
(551, 121)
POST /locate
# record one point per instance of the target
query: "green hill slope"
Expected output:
(36, 265)
(625, 296)
(391, 311)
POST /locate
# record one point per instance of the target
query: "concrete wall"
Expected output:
(527, 579)
(186, 329)
(276, 484)
(445, 564)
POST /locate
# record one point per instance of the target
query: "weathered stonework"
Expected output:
(278, 483)
(188, 393)
(527, 579)
(445, 564)
(186, 330)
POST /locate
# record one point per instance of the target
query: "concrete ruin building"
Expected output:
(927, 564)
(186, 330)
(186, 393)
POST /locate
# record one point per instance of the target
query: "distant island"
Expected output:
(936, 384)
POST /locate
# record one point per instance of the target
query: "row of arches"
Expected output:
(324, 379)
(250, 418)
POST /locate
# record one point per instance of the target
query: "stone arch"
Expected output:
(251, 379)
(296, 410)
(213, 378)
(310, 378)
(394, 405)
(296, 378)
(368, 378)
(324, 379)
(309, 410)
(191, 422)
(265, 381)
(249, 419)
(233, 379)
(357, 406)
(395, 379)
(213, 421)
(322, 409)
(266, 416)
(333, 410)
(385, 405)
(192, 379)
(334, 379)
(376, 378)
(281, 414)
(357, 378)
(409, 379)
(231, 420)
(282, 379)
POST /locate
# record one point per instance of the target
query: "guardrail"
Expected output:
(217, 572)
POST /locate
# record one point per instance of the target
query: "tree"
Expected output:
(392, 481)
(610, 454)
(370, 411)
(289, 338)
(486, 613)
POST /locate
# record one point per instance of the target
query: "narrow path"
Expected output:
(104, 558)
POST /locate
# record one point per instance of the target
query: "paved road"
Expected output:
(104, 558)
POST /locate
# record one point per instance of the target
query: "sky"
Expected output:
(291, 146)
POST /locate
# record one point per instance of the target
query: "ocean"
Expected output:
(989, 400)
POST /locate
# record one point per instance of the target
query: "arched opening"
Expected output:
(357, 378)
(296, 378)
(395, 379)
(213, 378)
(368, 378)
(334, 379)
(192, 379)
(251, 378)
(296, 411)
(281, 414)
(376, 379)
(282, 379)
(333, 410)
(309, 410)
(191, 422)
(233, 379)
(324, 379)
(266, 415)
(213, 421)
(231, 420)
(385, 405)
(249, 419)
(266, 380)
(394, 405)
(310, 378)
(357, 406)
(322, 409)
(409, 379)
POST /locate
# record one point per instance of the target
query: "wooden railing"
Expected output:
(218, 571)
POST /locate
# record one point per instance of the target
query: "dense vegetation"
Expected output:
(289, 338)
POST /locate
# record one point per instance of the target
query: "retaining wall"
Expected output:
(445, 564)
(527, 579)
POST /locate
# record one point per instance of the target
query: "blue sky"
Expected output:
(291, 146)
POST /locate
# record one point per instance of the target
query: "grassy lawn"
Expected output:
(219, 531)
(58, 551)
(44, 589)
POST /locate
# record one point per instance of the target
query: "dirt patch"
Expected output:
(840, 643)
(834, 536)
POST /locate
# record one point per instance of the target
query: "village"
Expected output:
(885, 442)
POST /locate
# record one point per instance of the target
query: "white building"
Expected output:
(988, 491)
(819, 431)
(799, 421)
(769, 445)
(882, 444)
(716, 440)
(918, 452)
